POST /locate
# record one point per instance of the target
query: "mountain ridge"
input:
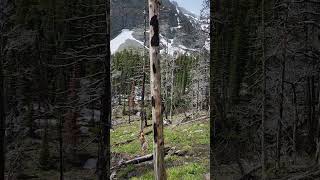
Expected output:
(180, 30)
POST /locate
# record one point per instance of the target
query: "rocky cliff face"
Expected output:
(180, 30)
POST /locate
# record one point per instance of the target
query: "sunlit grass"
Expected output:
(192, 138)
(192, 171)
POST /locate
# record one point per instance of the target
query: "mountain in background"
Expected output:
(180, 30)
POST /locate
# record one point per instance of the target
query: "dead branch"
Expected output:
(138, 160)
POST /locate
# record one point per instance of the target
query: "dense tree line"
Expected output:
(55, 60)
(263, 77)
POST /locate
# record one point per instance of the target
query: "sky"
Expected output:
(193, 6)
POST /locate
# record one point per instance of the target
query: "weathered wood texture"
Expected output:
(154, 51)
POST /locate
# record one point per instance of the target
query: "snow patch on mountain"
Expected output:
(125, 35)
(191, 17)
(177, 10)
(178, 19)
(171, 49)
(168, 44)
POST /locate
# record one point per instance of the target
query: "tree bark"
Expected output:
(172, 89)
(295, 122)
(60, 148)
(317, 155)
(155, 85)
(283, 76)
(143, 122)
(104, 164)
(2, 113)
(143, 112)
(263, 147)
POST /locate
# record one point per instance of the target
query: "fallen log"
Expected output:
(138, 160)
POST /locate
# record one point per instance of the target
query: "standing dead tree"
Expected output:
(2, 113)
(143, 112)
(105, 120)
(263, 147)
(155, 78)
(131, 100)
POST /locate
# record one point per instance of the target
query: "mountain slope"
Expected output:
(180, 30)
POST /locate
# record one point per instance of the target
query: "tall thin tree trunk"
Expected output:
(279, 124)
(59, 85)
(214, 10)
(105, 120)
(317, 139)
(2, 113)
(60, 148)
(263, 147)
(295, 122)
(172, 88)
(198, 90)
(129, 109)
(92, 112)
(142, 111)
(155, 85)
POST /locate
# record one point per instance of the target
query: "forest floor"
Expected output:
(303, 168)
(188, 157)
(189, 141)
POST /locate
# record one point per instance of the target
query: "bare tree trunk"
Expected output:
(104, 163)
(129, 109)
(279, 124)
(172, 88)
(92, 112)
(263, 147)
(133, 95)
(2, 113)
(143, 112)
(131, 100)
(60, 148)
(198, 90)
(59, 85)
(295, 122)
(317, 155)
(308, 101)
(214, 10)
(155, 85)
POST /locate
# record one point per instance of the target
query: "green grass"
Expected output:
(128, 132)
(186, 137)
(192, 171)
(192, 137)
